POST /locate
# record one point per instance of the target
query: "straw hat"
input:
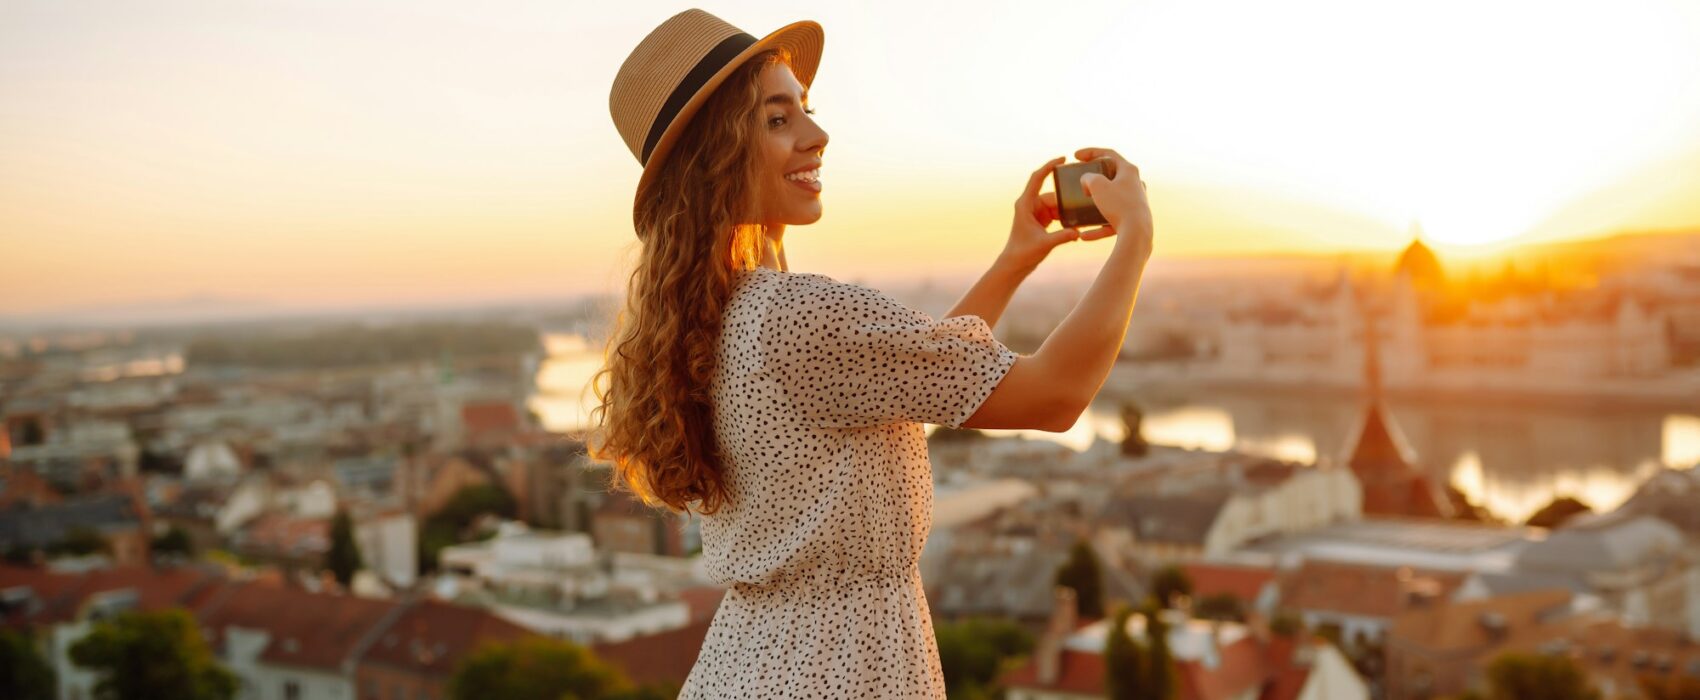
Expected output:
(677, 67)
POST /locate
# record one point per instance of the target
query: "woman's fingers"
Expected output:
(1037, 180)
(1086, 154)
(1047, 209)
(1120, 163)
(1097, 233)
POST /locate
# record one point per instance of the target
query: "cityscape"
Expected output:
(1365, 490)
(302, 306)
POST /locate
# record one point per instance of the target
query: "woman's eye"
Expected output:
(771, 121)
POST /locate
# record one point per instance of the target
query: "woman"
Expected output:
(786, 408)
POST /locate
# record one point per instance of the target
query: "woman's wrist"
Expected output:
(1131, 249)
(1011, 265)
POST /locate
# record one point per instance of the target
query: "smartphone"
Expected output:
(1074, 206)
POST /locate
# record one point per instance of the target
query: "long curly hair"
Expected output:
(653, 419)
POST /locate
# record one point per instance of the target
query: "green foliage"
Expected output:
(174, 541)
(434, 535)
(975, 652)
(446, 526)
(1082, 574)
(357, 345)
(24, 674)
(145, 655)
(1513, 676)
(1139, 669)
(18, 553)
(1559, 510)
(1124, 660)
(1160, 670)
(78, 541)
(1286, 623)
(1334, 634)
(470, 502)
(1134, 445)
(1220, 606)
(343, 558)
(540, 668)
(1170, 584)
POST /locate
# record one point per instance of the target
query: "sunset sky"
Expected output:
(317, 154)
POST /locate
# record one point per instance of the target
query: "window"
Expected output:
(291, 690)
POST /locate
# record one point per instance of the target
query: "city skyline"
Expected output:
(320, 156)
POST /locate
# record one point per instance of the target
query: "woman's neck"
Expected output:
(773, 249)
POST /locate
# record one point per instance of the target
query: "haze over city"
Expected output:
(306, 307)
(320, 155)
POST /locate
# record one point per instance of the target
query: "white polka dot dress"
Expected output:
(819, 396)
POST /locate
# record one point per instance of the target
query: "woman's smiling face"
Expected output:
(791, 144)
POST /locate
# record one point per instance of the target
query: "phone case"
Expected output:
(1074, 206)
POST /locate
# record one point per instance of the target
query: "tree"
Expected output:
(175, 541)
(144, 655)
(80, 540)
(539, 668)
(1286, 623)
(1220, 606)
(343, 558)
(1559, 510)
(445, 527)
(974, 652)
(1513, 676)
(1170, 584)
(1160, 671)
(1124, 661)
(1134, 444)
(24, 674)
(1082, 574)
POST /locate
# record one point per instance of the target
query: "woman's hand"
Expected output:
(1121, 199)
(1029, 242)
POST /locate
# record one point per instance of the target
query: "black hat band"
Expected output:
(693, 81)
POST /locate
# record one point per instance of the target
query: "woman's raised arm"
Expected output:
(1049, 389)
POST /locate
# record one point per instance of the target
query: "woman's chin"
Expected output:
(805, 216)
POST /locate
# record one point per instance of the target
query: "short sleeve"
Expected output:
(850, 357)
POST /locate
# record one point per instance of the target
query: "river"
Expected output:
(1513, 459)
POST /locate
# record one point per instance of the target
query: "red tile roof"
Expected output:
(430, 637)
(666, 657)
(1355, 589)
(1239, 581)
(1391, 486)
(308, 630)
(1287, 679)
(1459, 627)
(63, 594)
(703, 600)
(1241, 669)
(1079, 672)
(288, 534)
(485, 417)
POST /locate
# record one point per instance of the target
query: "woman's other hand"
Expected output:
(1121, 199)
(1029, 242)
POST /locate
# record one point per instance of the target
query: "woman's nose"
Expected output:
(817, 140)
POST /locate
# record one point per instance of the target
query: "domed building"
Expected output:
(1418, 265)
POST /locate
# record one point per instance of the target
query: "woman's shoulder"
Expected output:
(814, 296)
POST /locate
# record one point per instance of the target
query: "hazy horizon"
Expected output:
(320, 155)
